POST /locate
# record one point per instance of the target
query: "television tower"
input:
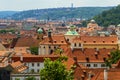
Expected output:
(71, 5)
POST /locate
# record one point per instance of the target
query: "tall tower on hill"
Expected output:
(72, 5)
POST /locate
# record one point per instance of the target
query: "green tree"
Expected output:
(17, 78)
(55, 70)
(110, 17)
(30, 78)
(34, 50)
(114, 57)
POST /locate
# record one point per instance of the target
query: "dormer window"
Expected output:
(94, 41)
(67, 39)
(84, 41)
(62, 41)
(87, 59)
(104, 59)
(112, 41)
(103, 41)
(54, 41)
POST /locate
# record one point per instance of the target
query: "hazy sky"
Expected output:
(39, 4)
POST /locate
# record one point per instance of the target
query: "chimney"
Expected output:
(96, 55)
(83, 77)
(21, 57)
(105, 74)
(108, 54)
(84, 71)
(89, 75)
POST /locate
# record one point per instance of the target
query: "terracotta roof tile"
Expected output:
(55, 39)
(97, 39)
(82, 56)
(26, 42)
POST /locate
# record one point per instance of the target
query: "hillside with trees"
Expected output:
(110, 17)
(60, 13)
(4, 14)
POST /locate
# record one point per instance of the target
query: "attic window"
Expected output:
(112, 41)
(84, 41)
(87, 59)
(103, 41)
(54, 41)
(104, 59)
(94, 41)
(62, 41)
(67, 39)
(49, 41)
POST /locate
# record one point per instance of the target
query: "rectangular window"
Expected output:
(32, 64)
(38, 70)
(95, 65)
(102, 65)
(79, 45)
(38, 64)
(88, 65)
(75, 44)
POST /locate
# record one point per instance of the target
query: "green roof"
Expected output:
(72, 33)
(40, 31)
(118, 25)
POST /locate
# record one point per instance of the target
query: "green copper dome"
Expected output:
(118, 25)
(72, 33)
(40, 31)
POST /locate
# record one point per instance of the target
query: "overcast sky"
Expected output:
(41, 4)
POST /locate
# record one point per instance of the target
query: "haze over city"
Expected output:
(19, 5)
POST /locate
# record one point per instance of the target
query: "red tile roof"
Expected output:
(91, 54)
(55, 39)
(26, 42)
(97, 39)
(32, 58)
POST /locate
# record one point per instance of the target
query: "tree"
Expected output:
(17, 78)
(30, 78)
(114, 57)
(34, 50)
(55, 70)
